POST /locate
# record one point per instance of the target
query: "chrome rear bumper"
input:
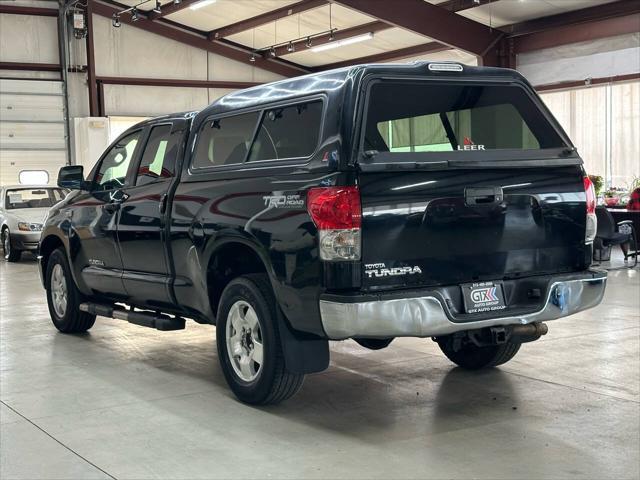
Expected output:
(427, 316)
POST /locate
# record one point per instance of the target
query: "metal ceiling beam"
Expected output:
(36, 67)
(432, 21)
(265, 18)
(431, 47)
(599, 12)
(182, 36)
(171, 82)
(588, 83)
(459, 5)
(35, 11)
(170, 8)
(580, 32)
(371, 27)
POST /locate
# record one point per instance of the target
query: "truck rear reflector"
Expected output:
(337, 213)
(592, 222)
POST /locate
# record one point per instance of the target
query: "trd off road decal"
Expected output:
(380, 270)
(284, 201)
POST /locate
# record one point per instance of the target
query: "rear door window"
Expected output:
(288, 132)
(430, 117)
(225, 141)
(159, 156)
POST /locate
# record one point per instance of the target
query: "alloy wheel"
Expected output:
(244, 341)
(59, 290)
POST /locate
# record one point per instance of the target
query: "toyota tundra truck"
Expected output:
(430, 200)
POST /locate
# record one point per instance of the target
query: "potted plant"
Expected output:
(598, 183)
(611, 197)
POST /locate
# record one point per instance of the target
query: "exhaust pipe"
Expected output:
(529, 332)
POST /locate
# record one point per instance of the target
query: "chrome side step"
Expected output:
(144, 319)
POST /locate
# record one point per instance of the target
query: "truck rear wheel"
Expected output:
(248, 341)
(64, 298)
(473, 357)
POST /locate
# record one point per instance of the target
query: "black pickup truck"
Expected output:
(371, 202)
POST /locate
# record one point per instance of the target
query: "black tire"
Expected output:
(10, 254)
(274, 383)
(72, 320)
(472, 357)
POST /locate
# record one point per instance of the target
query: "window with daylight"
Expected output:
(603, 122)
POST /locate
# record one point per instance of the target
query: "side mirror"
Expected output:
(71, 177)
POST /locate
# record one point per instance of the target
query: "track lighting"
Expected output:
(115, 20)
(134, 15)
(177, 2)
(252, 58)
(308, 44)
(342, 43)
(291, 48)
(158, 8)
(272, 52)
(201, 4)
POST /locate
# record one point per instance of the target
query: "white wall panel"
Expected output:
(28, 39)
(138, 101)
(606, 57)
(130, 52)
(90, 139)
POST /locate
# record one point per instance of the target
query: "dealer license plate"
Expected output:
(483, 297)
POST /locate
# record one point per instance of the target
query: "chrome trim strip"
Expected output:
(426, 316)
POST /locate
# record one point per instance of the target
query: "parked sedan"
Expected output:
(23, 209)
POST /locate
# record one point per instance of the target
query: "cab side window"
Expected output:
(288, 132)
(159, 157)
(225, 141)
(112, 173)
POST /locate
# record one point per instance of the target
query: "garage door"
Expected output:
(32, 130)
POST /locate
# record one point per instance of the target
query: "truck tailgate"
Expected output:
(468, 225)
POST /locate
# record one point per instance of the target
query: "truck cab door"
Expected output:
(94, 214)
(141, 223)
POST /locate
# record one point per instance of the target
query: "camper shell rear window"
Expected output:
(435, 117)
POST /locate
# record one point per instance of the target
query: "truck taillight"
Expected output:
(592, 222)
(337, 213)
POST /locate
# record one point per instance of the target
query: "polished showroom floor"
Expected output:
(128, 402)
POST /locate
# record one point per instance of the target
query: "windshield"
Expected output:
(33, 197)
(438, 117)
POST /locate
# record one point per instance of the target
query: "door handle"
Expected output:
(112, 207)
(162, 206)
(474, 196)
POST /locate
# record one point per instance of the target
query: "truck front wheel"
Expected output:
(64, 298)
(473, 357)
(248, 341)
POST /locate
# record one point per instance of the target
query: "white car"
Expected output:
(23, 209)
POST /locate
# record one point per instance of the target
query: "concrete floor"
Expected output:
(128, 402)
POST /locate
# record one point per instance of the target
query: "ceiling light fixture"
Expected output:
(308, 44)
(177, 2)
(115, 21)
(158, 8)
(201, 4)
(272, 52)
(252, 58)
(291, 48)
(134, 15)
(342, 43)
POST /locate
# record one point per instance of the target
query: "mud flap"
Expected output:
(302, 355)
